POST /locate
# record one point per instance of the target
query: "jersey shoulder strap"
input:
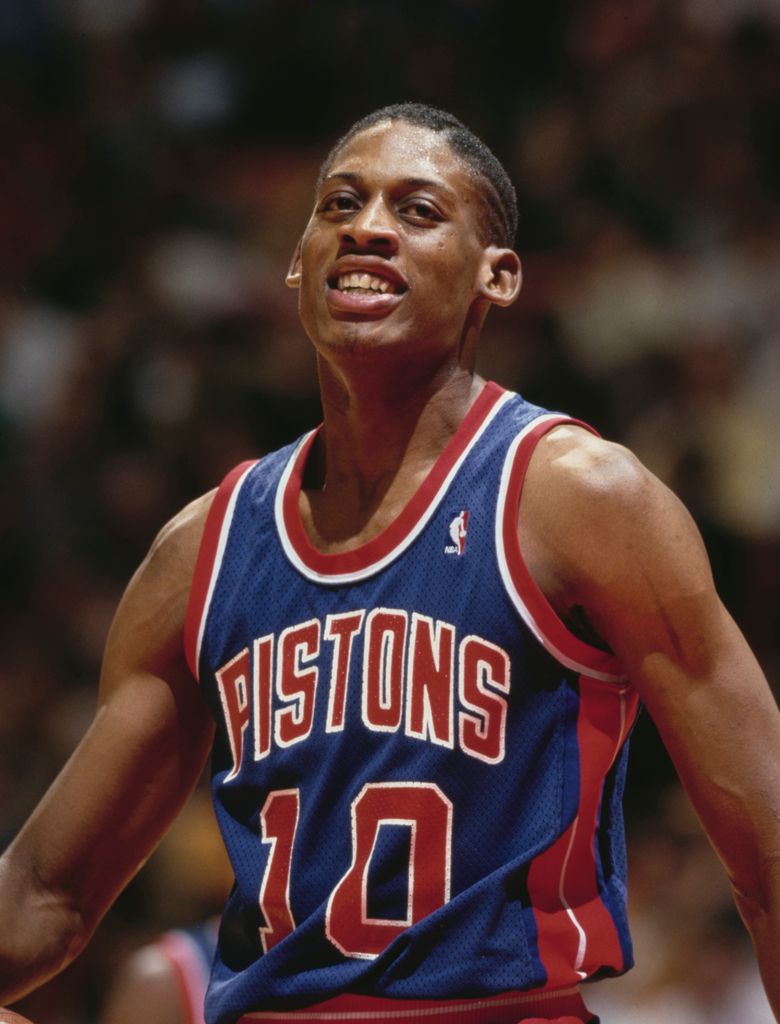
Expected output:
(526, 595)
(212, 548)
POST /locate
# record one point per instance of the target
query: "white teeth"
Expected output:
(364, 282)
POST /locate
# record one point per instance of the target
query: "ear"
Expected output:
(293, 278)
(501, 276)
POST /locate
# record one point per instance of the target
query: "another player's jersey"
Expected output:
(418, 768)
(190, 953)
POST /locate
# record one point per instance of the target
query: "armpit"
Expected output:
(576, 620)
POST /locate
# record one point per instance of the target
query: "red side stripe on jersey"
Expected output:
(576, 932)
(544, 620)
(205, 564)
(388, 540)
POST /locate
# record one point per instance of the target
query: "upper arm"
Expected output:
(608, 538)
(144, 751)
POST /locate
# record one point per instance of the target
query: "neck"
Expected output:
(375, 425)
(380, 438)
(391, 408)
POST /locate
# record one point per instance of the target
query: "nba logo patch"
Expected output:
(458, 528)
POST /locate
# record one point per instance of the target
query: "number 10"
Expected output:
(420, 806)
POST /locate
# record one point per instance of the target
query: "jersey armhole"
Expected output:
(524, 592)
(209, 559)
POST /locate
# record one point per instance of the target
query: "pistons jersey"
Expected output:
(418, 769)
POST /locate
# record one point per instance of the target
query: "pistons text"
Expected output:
(413, 672)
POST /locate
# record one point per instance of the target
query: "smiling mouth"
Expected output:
(361, 283)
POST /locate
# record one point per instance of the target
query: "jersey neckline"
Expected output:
(368, 558)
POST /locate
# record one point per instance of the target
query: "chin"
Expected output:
(360, 337)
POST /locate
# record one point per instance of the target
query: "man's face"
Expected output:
(392, 253)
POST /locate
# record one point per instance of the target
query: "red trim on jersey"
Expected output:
(566, 1007)
(204, 564)
(552, 628)
(576, 932)
(392, 536)
(189, 971)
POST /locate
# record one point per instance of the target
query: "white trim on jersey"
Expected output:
(219, 554)
(374, 567)
(521, 602)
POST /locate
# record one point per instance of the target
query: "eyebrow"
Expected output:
(407, 182)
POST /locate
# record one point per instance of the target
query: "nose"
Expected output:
(370, 227)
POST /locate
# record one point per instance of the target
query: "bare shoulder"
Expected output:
(166, 571)
(598, 528)
(147, 630)
(576, 464)
(175, 548)
(578, 479)
(10, 1017)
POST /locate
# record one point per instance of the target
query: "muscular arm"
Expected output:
(620, 549)
(126, 781)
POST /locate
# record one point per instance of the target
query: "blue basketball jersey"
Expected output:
(418, 769)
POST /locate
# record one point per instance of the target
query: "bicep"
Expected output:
(654, 601)
(719, 721)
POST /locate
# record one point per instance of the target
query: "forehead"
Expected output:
(398, 150)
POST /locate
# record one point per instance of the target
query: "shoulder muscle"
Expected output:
(603, 534)
(148, 626)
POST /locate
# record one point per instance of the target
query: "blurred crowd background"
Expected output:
(158, 160)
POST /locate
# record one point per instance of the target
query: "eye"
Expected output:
(338, 202)
(420, 211)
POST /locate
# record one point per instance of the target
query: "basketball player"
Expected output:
(168, 977)
(421, 634)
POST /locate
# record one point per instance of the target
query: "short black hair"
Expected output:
(496, 190)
